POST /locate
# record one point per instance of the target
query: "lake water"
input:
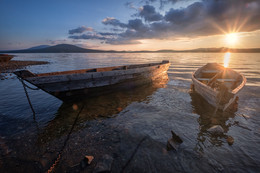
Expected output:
(132, 124)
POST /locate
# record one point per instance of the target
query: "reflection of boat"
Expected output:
(218, 85)
(103, 106)
(92, 82)
(209, 117)
(5, 57)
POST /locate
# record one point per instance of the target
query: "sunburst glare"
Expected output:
(232, 38)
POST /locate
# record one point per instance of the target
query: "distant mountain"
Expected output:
(65, 48)
(60, 48)
(39, 47)
(68, 48)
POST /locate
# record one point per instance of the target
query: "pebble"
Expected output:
(230, 140)
(217, 129)
(86, 161)
(174, 142)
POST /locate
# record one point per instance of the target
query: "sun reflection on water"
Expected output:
(226, 59)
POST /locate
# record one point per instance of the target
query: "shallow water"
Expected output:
(149, 111)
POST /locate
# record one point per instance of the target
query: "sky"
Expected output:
(130, 24)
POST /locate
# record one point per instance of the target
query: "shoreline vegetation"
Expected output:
(67, 48)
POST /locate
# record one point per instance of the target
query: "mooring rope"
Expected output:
(56, 162)
(133, 154)
(20, 79)
(27, 95)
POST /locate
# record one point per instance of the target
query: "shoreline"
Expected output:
(11, 66)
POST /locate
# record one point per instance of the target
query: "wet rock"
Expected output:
(230, 140)
(44, 162)
(47, 159)
(104, 165)
(174, 142)
(86, 161)
(2, 77)
(217, 129)
(119, 109)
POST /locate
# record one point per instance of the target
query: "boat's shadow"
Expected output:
(96, 109)
(210, 117)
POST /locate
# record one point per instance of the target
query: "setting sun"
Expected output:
(232, 38)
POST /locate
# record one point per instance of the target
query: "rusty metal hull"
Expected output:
(68, 85)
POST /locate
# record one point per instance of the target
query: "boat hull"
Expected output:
(85, 83)
(219, 98)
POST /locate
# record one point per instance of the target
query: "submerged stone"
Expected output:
(174, 142)
(104, 165)
(217, 129)
(230, 140)
(86, 161)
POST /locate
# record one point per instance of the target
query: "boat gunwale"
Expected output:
(234, 91)
(102, 69)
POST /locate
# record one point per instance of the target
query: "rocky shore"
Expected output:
(8, 67)
(11, 66)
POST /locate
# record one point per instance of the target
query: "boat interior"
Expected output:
(26, 73)
(215, 75)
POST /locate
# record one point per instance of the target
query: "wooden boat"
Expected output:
(5, 57)
(92, 82)
(218, 85)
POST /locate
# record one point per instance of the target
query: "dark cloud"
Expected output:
(107, 33)
(190, 14)
(137, 25)
(203, 18)
(149, 14)
(88, 37)
(80, 30)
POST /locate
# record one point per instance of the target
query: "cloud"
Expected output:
(88, 37)
(214, 17)
(149, 14)
(80, 30)
(200, 18)
(192, 13)
(107, 33)
(130, 5)
(113, 22)
(137, 25)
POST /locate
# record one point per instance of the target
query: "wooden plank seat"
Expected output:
(226, 80)
(220, 80)
(211, 71)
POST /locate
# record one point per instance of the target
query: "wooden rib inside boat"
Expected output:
(218, 85)
(97, 81)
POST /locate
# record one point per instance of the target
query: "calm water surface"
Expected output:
(148, 111)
